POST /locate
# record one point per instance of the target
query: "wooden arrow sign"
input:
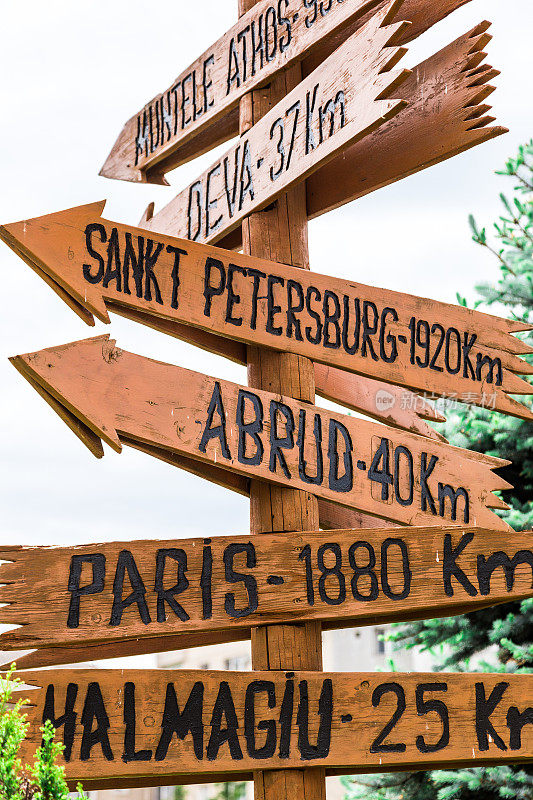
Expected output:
(119, 726)
(445, 115)
(162, 281)
(343, 100)
(200, 108)
(110, 394)
(114, 592)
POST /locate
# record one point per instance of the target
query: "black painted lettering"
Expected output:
(211, 431)
(493, 365)
(365, 571)
(211, 204)
(285, 718)
(294, 288)
(426, 498)
(207, 82)
(485, 707)
(234, 74)
(486, 566)
(453, 342)
(246, 177)
(316, 337)
(252, 428)
(250, 726)
(97, 563)
(126, 563)
(134, 261)
(130, 754)
(150, 260)
(378, 745)
(468, 367)
(310, 102)
(185, 100)
(369, 329)
(94, 711)
(406, 569)
(224, 707)
(277, 442)
(233, 298)
(390, 355)
(284, 40)
(182, 722)
(272, 307)
(331, 319)
(241, 38)
(445, 491)
(308, 751)
(194, 207)
(66, 720)
(271, 34)
(211, 290)
(317, 479)
(515, 723)
(351, 349)
(450, 568)
(424, 707)
(231, 193)
(258, 44)
(206, 581)
(174, 302)
(113, 269)
(339, 483)
(250, 583)
(257, 276)
(182, 583)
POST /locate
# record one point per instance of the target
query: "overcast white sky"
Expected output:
(72, 74)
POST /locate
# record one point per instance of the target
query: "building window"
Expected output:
(237, 663)
(380, 642)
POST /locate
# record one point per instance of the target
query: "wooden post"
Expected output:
(279, 233)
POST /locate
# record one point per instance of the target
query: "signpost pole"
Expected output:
(280, 233)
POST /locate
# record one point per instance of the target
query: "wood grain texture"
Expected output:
(375, 469)
(121, 591)
(196, 113)
(347, 97)
(116, 725)
(446, 115)
(423, 344)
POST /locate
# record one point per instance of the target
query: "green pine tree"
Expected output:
(507, 629)
(231, 791)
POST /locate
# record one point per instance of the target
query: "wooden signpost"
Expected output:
(199, 110)
(121, 591)
(182, 726)
(323, 118)
(350, 94)
(426, 345)
(120, 397)
(444, 114)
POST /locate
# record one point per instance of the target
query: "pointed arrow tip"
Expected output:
(57, 374)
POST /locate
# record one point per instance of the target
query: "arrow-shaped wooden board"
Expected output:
(343, 100)
(184, 726)
(425, 345)
(200, 108)
(41, 244)
(110, 394)
(446, 114)
(115, 592)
